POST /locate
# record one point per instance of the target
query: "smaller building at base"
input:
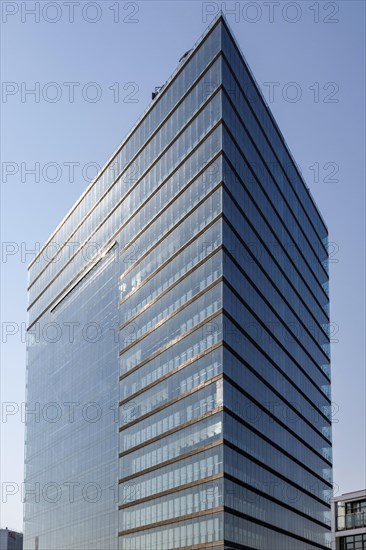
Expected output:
(349, 521)
(10, 540)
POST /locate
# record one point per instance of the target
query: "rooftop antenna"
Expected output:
(185, 55)
(157, 90)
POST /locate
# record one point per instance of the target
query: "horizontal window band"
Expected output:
(225, 443)
(272, 281)
(206, 545)
(267, 496)
(283, 322)
(283, 399)
(172, 343)
(274, 527)
(171, 230)
(74, 281)
(274, 417)
(263, 352)
(204, 291)
(172, 286)
(133, 187)
(193, 180)
(103, 254)
(167, 85)
(171, 373)
(284, 375)
(179, 519)
(233, 259)
(239, 179)
(268, 468)
(115, 235)
(236, 418)
(242, 154)
(211, 382)
(236, 355)
(172, 402)
(263, 243)
(181, 192)
(173, 256)
(232, 382)
(211, 512)
(154, 192)
(172, 431)
(265, 135)
(161, 465)
(158, 158)
(225, 476)
(168, 492)
(292, 407)
(256, 316)
(271, 117)
(268, 440)
(169, 317)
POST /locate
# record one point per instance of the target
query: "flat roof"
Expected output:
(350, 496)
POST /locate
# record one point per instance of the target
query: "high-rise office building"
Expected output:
(178, 335)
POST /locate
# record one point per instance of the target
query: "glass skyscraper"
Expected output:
(178, 380)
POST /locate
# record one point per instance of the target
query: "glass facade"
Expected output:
(349, 521)
(351, 515)
(178, 381)
(10, 540)
(353, 542)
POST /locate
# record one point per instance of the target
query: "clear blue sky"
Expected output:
(324, 59)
